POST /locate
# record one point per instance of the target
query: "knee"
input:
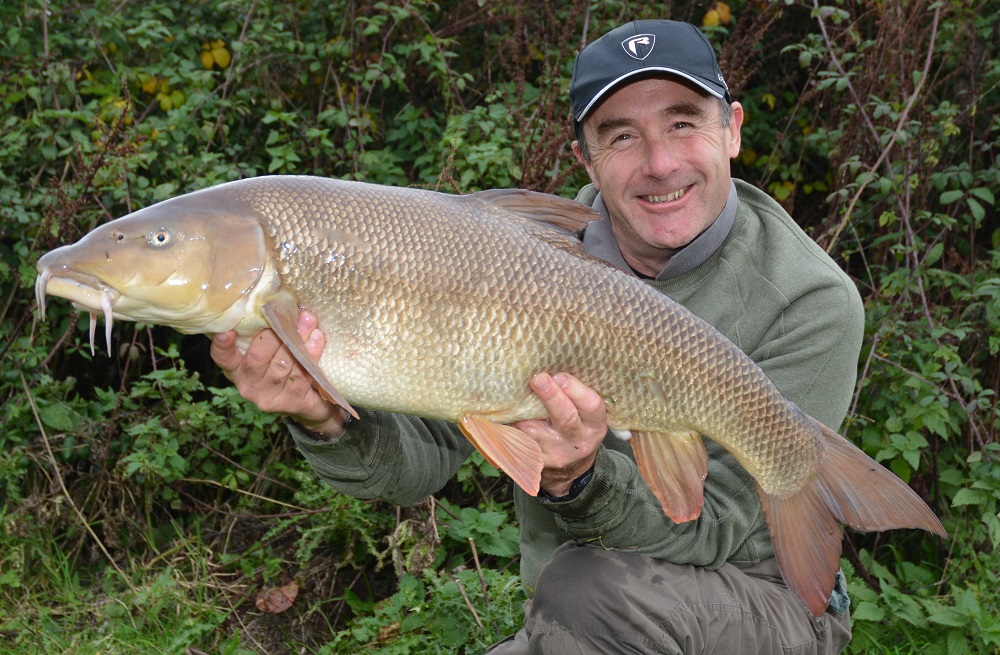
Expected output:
(576, 586)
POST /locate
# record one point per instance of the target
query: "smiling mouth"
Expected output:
(665, 198)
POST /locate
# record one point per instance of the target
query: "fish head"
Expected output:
(189, 263)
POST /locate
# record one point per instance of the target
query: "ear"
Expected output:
(586, 164)
(735, 126)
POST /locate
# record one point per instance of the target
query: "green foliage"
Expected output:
(435, 613)
(143, 504)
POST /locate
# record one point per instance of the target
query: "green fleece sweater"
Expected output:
(766, 286)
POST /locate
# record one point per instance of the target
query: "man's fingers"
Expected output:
(307, 322)
(573, 407)
(261, 352)
(588, 403)
(224, 352)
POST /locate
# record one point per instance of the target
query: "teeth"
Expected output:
(667, 198)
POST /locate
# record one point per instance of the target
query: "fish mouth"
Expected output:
(86, 292)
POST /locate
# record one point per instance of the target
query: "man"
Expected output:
(656, 128)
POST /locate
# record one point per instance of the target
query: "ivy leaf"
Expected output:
(949, 197)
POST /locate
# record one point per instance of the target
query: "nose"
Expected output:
(660, 158)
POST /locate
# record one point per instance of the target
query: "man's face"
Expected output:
(659, 154)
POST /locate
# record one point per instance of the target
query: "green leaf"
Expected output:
(949, 617)
(867, 612)
(977, 210)
(58, 417)
(969, 497)
(983, 194)
(949, 197)
(958, 643)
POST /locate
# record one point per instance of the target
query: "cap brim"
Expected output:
(646, 72)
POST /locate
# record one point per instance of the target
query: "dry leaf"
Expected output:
(277, 599)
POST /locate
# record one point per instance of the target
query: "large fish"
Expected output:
(444, 306)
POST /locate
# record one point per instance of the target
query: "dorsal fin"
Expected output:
(565, 215)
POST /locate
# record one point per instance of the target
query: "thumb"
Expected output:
(224, 351)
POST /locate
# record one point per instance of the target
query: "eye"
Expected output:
(160, 237)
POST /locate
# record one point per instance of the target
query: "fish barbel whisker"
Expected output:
(40, 286)
(107, 307)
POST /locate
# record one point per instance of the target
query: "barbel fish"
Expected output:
(444, 306)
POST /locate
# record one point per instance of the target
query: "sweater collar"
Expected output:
(600, 242)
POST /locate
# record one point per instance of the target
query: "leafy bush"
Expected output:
(146, 506)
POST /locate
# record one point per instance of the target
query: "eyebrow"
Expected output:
(679, 109)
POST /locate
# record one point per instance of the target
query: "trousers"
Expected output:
(591, 601)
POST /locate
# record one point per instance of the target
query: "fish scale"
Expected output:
(445, 306)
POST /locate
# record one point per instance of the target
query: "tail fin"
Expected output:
(849, 487)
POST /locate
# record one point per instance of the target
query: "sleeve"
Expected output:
(616, 510)
(397, 458)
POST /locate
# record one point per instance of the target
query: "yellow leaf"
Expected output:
(748, 157)
(711, 18)
(207, 59)
(725, 14)
(221, 56)
(770, 100)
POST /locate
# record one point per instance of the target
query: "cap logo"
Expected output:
(639, 46)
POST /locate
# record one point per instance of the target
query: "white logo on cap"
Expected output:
(639, 46)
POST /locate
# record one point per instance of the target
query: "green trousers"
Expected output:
(591, 601)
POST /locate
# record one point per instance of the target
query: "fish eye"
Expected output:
(160, 237)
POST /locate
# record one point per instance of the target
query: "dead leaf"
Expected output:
(277, 599)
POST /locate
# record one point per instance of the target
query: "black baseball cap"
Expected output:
(643, 48)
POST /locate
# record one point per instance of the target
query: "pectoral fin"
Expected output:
(507, 449)
(282, 313)
(674, 466)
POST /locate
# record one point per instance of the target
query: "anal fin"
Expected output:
(674, 466)
(282, 313)
(506, 448)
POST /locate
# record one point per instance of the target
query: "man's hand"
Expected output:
(268, 376)
(572, 434)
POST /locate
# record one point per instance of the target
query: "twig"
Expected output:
(62, 484)
(864, 374)
(468, 604)
(215, 483)
(899, 126)
(479, 571)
